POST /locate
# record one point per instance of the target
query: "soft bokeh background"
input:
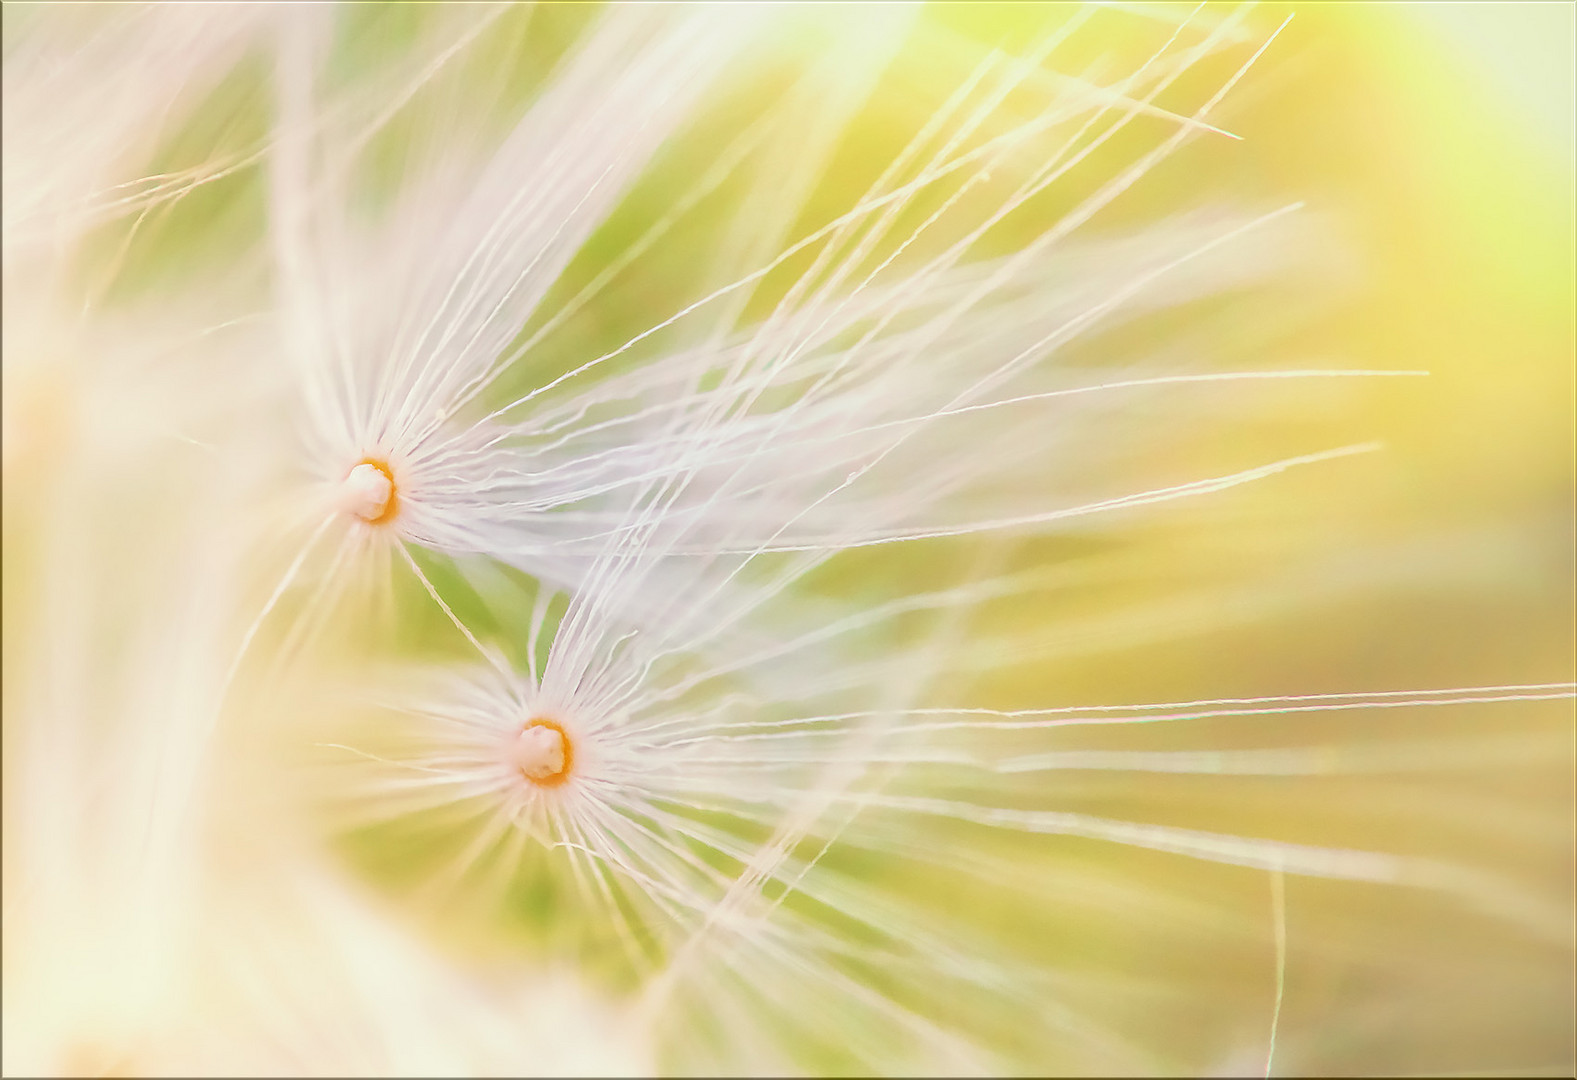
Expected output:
(1433, 147)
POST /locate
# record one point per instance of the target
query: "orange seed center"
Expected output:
(543, 753)
(368, 492)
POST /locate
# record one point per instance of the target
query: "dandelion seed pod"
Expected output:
(368, 491)
(543, 753)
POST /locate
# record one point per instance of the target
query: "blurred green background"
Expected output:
(1430, 151)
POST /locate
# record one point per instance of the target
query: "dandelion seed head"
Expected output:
(807, 809)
